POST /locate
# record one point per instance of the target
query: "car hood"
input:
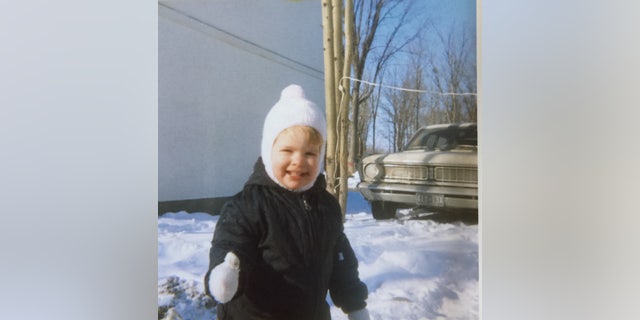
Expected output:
(420, 157)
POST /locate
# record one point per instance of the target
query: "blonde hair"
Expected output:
(312, 135)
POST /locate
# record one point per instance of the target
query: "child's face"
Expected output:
(295, 161)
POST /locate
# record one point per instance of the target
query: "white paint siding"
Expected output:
(221, 67)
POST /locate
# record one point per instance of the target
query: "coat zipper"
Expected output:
(305, 203)
(309, 247)
(308, 218)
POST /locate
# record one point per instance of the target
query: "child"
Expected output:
(279, 244)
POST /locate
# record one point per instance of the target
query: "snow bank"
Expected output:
(414, 269)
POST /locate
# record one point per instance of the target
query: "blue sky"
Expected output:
(448, 11)
(441, 16)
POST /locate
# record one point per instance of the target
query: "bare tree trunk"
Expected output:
(344, 105)
(338, 55)
(337, 62)
(354, 145)
(330, 97)
(338, 52)
(374, 116)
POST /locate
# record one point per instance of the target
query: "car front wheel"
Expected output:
(382, 210)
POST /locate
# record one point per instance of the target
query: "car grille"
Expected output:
(438, 174)
(406, 172)
(460, 175)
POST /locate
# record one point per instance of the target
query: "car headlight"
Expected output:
(373, 171)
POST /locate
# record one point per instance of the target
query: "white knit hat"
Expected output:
(293, 109)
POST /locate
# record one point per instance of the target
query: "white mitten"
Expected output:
(223, 281)
(362, 314)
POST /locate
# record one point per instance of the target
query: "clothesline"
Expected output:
(408, 89)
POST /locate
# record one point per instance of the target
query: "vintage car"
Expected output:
(437, 171)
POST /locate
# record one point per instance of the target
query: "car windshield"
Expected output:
(444, 138)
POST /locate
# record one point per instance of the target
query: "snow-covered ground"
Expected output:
(414, 269)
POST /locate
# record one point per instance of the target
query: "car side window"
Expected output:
(443, 139)
(444, 143)
(431, 141)
(468, 137)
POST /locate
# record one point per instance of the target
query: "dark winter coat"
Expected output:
(292, 250)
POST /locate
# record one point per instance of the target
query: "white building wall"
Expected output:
(222, 65)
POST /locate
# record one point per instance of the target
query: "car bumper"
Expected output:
(444, 197)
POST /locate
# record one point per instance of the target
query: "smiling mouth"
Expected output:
(297, 175)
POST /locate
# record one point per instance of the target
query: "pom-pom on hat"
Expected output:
(293, 109)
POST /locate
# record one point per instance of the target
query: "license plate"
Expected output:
(435, 200)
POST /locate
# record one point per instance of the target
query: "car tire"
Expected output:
(382, 210)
